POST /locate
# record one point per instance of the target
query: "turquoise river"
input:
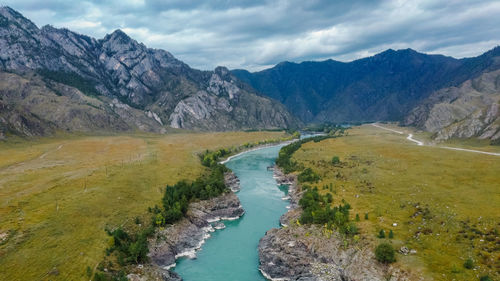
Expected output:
(231, 254)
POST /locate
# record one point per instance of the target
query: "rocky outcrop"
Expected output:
(185, 237)
(298, 252)
(30, 106)
(232, 181)
(129, 78)
(152, 273)
(470, 110)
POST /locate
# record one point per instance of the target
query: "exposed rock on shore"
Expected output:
(185, 237)
(232, 181)
(305, 252)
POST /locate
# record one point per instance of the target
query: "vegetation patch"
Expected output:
(71, 79)
(385, 253)
(316, 209)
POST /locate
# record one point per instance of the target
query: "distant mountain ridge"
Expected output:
(365, 89)
(385, 87)
(137, 87)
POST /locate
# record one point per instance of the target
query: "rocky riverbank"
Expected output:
(187, 236)
(308, 252)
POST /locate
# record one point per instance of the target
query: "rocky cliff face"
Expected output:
(139, 79)
(469, 110)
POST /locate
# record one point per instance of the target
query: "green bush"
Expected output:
(391, 234)
(308, 175)
(89, 271)
(385, 253)
(485, 278)
(316, 209)
(131, 248)
(381, 234)
(469, 263)
(335, 160)
(177, 197)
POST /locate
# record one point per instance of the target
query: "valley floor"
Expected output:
(418, 142)
(442, 203)
(57, 195)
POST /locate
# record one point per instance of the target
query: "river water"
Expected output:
(231, 254)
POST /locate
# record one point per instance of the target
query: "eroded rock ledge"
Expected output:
(185, 237)
(297, 252)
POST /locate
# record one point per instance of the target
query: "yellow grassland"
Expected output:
(57, 195)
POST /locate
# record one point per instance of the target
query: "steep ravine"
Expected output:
(303, 252)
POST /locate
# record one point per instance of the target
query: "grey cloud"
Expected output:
(257, 33)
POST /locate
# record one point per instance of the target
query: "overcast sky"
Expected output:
(255, 34)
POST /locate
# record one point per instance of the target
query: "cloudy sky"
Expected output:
(255, 34)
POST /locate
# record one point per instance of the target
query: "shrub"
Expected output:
(391, 234)
(316, 209)
(352, 229)
(89, 271)
(385, 253)
(469, 263)
(308, 175)
(335, 160)
(357, 217)
(159, 220)
(366, 216)
(381, 234)
(485, 278)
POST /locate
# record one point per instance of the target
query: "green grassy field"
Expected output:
(58, 194)
(444, 204)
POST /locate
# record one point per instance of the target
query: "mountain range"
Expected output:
(53, 79)
(400, 86)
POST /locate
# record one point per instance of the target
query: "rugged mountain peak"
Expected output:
(120, 42)
(284, 64)
(10, 13)
(221, 70)
(10, 16)
(224, 73)
(142, 87)
(118, 36)
(397, 55)
(222, 83)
